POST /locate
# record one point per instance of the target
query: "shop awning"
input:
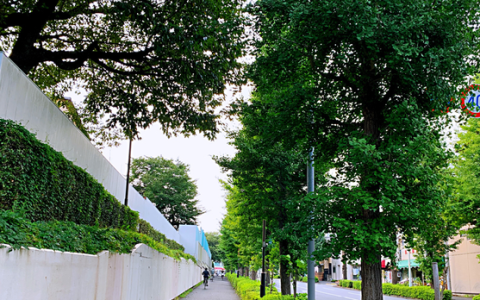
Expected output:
(404, 264)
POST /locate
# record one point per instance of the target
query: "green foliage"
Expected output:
(145, 228)
(476, 297)
(154, 61)
(265, 178)
(213, 239)
(185, 294)
(417, 292)
(349, 79)
(464, 207)
(17, 232)
(346, 283)
(305, 279)
(166, 183)
(249, 289)
(44, 185)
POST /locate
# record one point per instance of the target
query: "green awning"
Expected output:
(404, 264)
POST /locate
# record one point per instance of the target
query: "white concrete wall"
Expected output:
(23, 102)
(35, 274)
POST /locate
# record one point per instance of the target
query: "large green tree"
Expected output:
(266, 181)
(213, 239)
(365, 83)
(167, 184)
(464, 208)
(141, 61)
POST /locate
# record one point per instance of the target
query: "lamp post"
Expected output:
(311, 243)
(264, 275)
(128, 169)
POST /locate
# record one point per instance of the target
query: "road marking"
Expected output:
(332, 294)
(351, 298)
(353, 293)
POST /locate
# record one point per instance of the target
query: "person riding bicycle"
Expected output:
(205, 274)
(213, 273)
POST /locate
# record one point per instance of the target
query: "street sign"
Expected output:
(471, 100)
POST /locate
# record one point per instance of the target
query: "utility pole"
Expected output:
(436, 281)
(311, 243)
(128, 169)
(409, 270)
(264, 275)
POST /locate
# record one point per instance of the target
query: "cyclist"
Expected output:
(205, 274)
(213, 273)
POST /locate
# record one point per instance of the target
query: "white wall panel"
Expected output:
(38, 274)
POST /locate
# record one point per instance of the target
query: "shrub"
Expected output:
(305, 279)
(418, 292)
(346, 283)
(17, 231)
(357, 285)
(45, 186)
(476, 297)
(145, 228)
(249, 289)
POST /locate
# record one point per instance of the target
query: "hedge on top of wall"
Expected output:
(42, 184)
(147, 229)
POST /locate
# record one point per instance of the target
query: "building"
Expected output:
(464, 267)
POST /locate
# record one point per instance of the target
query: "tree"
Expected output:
(464, 207)
(266, 183)
(141, 61)
(366, 84)
(213, 239)
(166, 183)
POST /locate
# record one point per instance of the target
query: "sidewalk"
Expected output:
(216, 290)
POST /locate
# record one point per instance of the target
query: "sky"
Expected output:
(196, 151)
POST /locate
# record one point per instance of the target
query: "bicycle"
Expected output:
(205, 282)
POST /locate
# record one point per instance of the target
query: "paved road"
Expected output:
(216, 290)
(330, 291)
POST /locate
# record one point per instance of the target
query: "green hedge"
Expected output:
(249, 289)
(305, 279)
(417, 292)
(42, 183)
(346, 283)
(17, 232)
(147, 229)
(357, 285)
(476, 297)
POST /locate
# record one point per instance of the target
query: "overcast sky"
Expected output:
(196, 151)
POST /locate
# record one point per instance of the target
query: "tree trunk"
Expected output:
(394, 276)
(344, 267)
(371, 279)
(295, 278)
(253, 275)
(284, 278)
(267, 276)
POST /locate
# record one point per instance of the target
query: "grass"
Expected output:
(185, 294)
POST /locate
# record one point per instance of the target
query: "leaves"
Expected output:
(166, 183)
(40, 182)
(141, 62)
